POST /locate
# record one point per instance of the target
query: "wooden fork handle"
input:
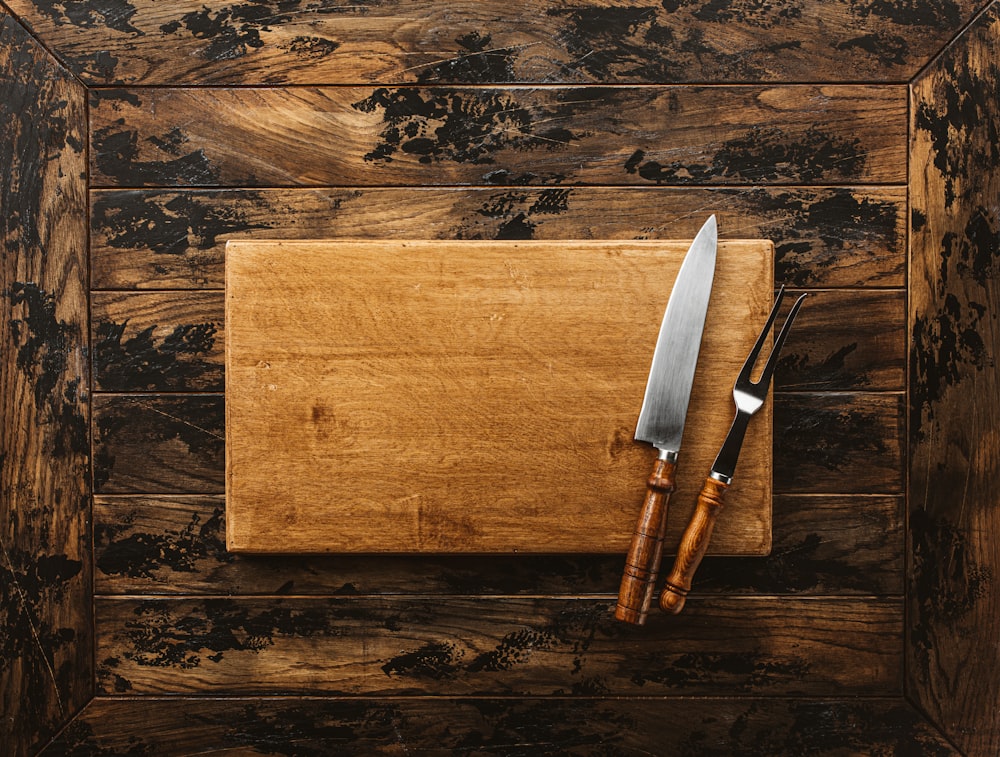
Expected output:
(643, 562)
(693, 546)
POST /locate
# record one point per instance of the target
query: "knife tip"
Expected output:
(710, 229)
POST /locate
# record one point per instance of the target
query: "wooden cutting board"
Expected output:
(474, 397)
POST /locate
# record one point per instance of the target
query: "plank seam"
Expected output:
(50, 52)
(924, 70)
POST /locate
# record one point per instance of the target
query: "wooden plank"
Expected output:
(714, 727)
(485, 372)
(829, 545)
(824, 236)
(175, 544)
(160, 342)
(334, 42)
(827, 351)
(845, 443)
(480, 646)
(150, 443)
(434, 136)
(824, 443)
(45, 578)
(953, 591)
(174, 341)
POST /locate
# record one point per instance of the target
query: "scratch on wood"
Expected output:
(31, 624)
(183, 421)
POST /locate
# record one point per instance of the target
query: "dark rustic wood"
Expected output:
(175, 544)
(291, 162)
(645, 551)
(434, 136)
(158, 341)
(542, 727)
(825, 443)
(844, 443)
(173, 341)
(511, 646)
(159, 443)
(823, 236)
(822, 545)
(827, 351)
(335, 42)
(45, 623)
(952, 584)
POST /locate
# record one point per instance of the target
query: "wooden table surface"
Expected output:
(137, 138)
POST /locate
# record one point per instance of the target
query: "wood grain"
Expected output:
(45, 624)
(434, 396)
(952, 583)
(335, 42)
(174, 341)
(645, 551)
(503, 646)
(827, 351)
(444, 136)
(239, 121)
(716, 727)
(159, 443)
(844, 443)
(157, 341)
(824, 443)
(693, 545)
(175, 239)
(175, 544)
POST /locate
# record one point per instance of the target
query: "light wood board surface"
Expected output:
(473, 397)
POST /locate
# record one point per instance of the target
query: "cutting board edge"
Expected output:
(236, 244)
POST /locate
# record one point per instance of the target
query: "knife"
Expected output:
(661, 419)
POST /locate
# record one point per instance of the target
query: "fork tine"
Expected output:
(744, 377)
(772, 359)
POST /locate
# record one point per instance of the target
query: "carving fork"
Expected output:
(749, 396)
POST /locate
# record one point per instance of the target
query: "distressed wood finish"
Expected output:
(824, 236)
(388, 120)
(158, 342)
(159, 443)
(470, 397)
(45, 623)
(173, 341)
(335, 41)
(433, 136)
(826, 351)
(954, 517)
(502, 646)
(175, 544)
(848, 443)
(546, 727)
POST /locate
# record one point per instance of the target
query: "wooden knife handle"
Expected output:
(643, 562)
(693, 546)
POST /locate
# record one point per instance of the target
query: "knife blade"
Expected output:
(662, 415)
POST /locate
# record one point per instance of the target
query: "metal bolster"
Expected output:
(669, 455)
(721, 477)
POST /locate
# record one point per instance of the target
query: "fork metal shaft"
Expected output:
(725, 463)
